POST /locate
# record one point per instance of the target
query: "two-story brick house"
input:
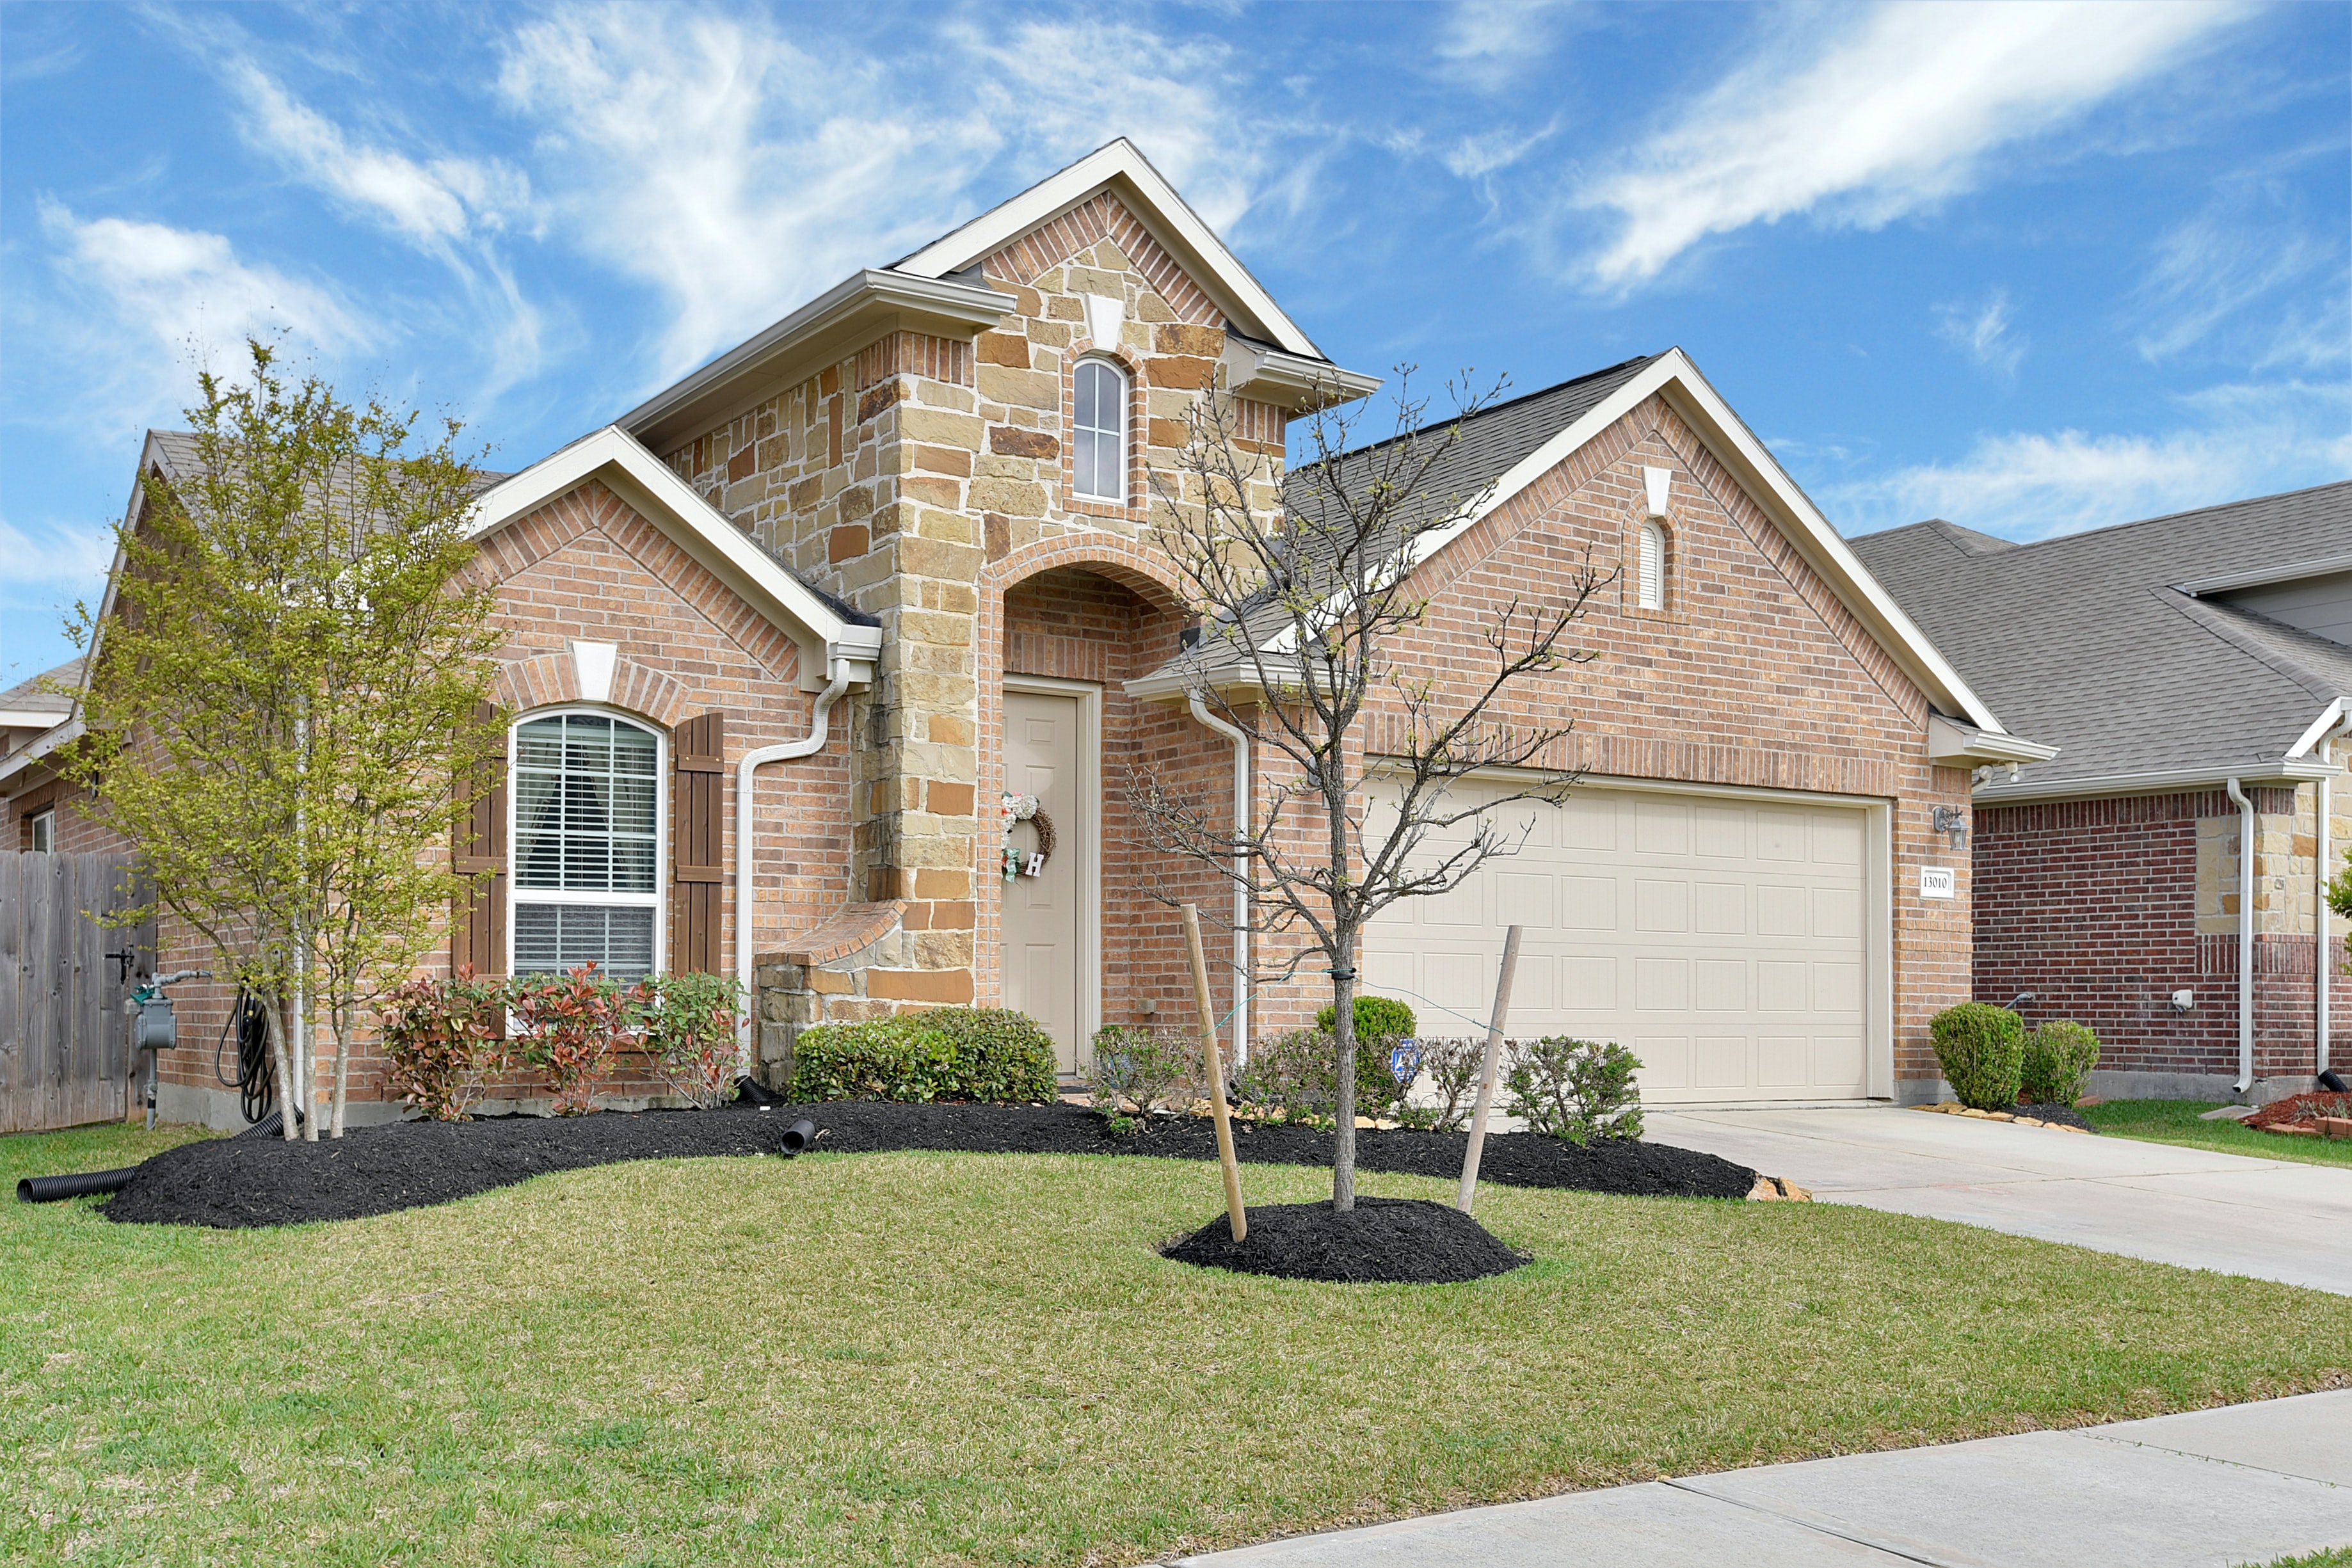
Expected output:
(784, 636)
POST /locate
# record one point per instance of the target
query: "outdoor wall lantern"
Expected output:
(1953, 823)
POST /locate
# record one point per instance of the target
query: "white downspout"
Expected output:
(2320, 911)
(2245, 937)
(1240, 876)
(819, 722)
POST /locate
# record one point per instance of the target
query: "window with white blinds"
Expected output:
(587, 845)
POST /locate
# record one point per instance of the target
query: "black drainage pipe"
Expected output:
(798, 1136)
(80, 1185)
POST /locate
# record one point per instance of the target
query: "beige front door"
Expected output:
(1043, 756)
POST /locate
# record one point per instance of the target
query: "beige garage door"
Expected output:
(1722, 940)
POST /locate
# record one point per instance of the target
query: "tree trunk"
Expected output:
(1343, 1028)
(282, 1061)
(343, 1016)
(306, 1060)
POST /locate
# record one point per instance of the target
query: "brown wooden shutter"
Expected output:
(478, 926)
(699, 847)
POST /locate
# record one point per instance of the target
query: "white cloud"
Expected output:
(1476, 157)
(57, 556)
(1486, 43)
(2213, 266)
(2237, 440)
(149, 299)
(1981, 333)
(427, 202)
(711, 158)
(1889, 118)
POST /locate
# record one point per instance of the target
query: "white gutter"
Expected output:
(819, 722)
(1240, 875)
(2320, 966)
(2245, 937)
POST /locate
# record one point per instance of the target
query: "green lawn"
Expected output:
(2175, 1121)
(937, 1358)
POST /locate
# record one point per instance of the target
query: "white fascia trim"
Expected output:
(1955, 744)
(2261, 576)
(32, 718)
(1120, 159)
(40, 746)
(970, 303)
(1823, 549)
(2287, 769)
(2329, 717)
(814, 623)
(1292, 380)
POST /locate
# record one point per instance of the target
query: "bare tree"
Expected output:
(1298, 613)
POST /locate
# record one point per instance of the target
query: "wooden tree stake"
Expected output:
(1488, 1071)
(1216, 1058)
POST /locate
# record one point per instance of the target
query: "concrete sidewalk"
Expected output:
(2272, 1219)
(2243, 1484)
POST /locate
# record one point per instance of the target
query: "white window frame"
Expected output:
(656, 900)
(45, 830)
(1649, 591)
(1119, 377)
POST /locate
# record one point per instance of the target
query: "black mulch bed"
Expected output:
(2051, 1111)
(231, 1182)
(1403, 1241)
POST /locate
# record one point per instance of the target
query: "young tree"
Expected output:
(282, 695)
(1300, 613)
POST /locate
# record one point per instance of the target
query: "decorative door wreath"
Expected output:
(1024, 809)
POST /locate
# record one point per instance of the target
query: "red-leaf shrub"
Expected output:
(440, 1037)
(689, 1023)
(568, 1026)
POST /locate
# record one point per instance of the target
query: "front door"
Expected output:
(1042, 929)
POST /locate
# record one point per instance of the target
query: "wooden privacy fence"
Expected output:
(64, 1045)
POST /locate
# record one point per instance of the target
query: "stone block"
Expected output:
(936, 558)
(950, 729)
(943, 882)
(1021, 388)
(1180, 338)
(946, 799)
(937, 985)
(1009, 443)
(941, 951)
(831, 983)
(943, 461)
(1009, 497)
(1005, 348)
(931, 491)
(940, 427)
(847, 543)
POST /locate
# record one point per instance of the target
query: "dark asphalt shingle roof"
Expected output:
(26, 695)
(2086, 641)
(1493, 441)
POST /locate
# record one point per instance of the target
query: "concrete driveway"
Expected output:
(2272, 1219)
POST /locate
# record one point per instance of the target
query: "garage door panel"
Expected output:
(1720, 908)
(1589, 903)
(1724, 943)
(1661, 906)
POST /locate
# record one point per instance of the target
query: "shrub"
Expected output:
(1138, 1066)
(1982, 1050)
(440, 1037)
(1293, 1077)
(1576, 1089)
(1001, 1057)
(1452, 1063)
(949, 1053)
(689, 1022)
(1382, 1026)
(568, 1026)
(2059, 1056)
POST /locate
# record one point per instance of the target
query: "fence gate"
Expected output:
(64, 1045)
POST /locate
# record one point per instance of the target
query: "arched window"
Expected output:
(1098, 431)
(1653, 584)
(587, 845)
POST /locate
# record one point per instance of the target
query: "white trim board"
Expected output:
(1155, 204)
(646, 483)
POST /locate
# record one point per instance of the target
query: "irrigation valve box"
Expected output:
(157, 1028)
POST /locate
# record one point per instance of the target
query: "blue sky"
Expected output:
(2032, 268)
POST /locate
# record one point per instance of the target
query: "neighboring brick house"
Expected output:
(36, 717)
(893, 558)
(2168, 658)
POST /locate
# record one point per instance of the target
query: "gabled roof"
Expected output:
(937, 291)
(31, 700)
(2099, 641)
(1506, 448)
(826, 629)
